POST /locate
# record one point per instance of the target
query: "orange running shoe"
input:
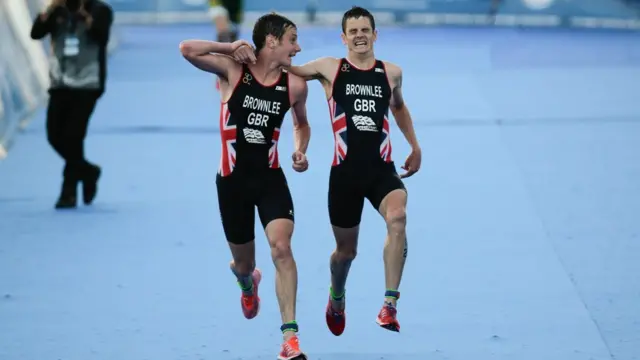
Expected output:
(387, 318)
(336, 319)
(291, 350)
(251, 303)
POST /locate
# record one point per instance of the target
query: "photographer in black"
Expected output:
(79, 32)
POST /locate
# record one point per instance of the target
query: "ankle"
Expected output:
(246, 292)
(288, 335)
(245, 282)
(337, 296)
(289, 330)
(391, 297)
(342, 259)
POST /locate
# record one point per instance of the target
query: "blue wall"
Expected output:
(18, 83)
(565, 11)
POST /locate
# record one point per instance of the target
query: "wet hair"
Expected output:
(270, 24)
(355, 13)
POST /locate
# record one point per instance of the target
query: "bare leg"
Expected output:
(279, 233)
(340, 263)
(393, 209)
(243, 264)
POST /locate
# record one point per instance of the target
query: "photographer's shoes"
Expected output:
(69, 194)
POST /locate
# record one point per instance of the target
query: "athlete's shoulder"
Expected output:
(297, 85)
(295, 81)
(392, 69)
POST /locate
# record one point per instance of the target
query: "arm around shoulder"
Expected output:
(319, 69)
(210, 56)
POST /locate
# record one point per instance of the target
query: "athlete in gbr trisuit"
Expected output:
(256, 94)
(361, 90)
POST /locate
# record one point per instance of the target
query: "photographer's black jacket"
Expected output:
(79, 51)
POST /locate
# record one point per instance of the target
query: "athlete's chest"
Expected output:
(367, 91)
(255, 105)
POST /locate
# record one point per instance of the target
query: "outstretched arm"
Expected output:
(403, 119)
(211, 56)
(319, 69)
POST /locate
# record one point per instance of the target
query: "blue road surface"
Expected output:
(523, 228)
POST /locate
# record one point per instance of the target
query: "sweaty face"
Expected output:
(359, 35)
(288, 47)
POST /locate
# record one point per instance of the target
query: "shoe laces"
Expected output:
(291, 346)
(248, 300)
(388, 311)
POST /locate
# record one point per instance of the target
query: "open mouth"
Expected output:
(360, 43)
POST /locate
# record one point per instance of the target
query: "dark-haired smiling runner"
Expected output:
(256, 94)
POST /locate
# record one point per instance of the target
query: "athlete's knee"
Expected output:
(346, 243)
(347, 250)
(346, 254)
(279, 233)
(281, 250)
(396, 219)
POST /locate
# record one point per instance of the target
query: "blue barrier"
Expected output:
(22, 71)
(620, 14)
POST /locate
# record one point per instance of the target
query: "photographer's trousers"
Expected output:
(68, 117)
